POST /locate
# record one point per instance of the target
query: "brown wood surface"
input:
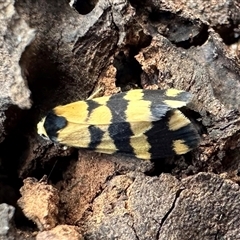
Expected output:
(63, 52)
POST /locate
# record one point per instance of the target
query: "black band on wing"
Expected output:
(120, 134)
(92, 105)
(160, 139)
(96, 135)
(118, 108)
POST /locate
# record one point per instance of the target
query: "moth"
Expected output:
(146, 124)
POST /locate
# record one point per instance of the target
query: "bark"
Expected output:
(55, 52)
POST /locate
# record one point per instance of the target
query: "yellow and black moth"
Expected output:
(146, 124)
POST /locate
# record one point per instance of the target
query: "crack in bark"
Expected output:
(169, 211)
(134, 230)
(130, 214)
(101, 188)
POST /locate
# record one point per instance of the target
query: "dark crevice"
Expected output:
(177, 166)
(165, 165)
(13, 115)
(53, 168)
(197, 40)
(180, 31)
(84, 6)
(138, 4)
(219, 235)
(128, 71)
(229, 32)
(134, 230)
(230, 160)
(12, 149)
(43, 77)
(169, 211)
(143, 41)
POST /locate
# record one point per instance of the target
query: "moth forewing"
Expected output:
(141, 123)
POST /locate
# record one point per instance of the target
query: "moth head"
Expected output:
(41, 129)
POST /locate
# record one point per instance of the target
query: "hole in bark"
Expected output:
(180, 31)
(128, 71)
(229, 33)
(161, 165)
(128, 68)
(177, 166)
(13, 115)
(231, 159)
(230, 156)
(138, 4)
(198, 40)
(43, 77)
(11, 151)
(135, 42)
(84, 6)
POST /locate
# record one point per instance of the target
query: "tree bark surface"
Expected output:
(55, 52)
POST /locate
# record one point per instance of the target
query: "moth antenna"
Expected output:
(54, 165)
(95, 93)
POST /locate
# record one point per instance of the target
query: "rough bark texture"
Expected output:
(61, 52)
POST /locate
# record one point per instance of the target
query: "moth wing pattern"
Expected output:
(174, 134)
(141, 123)
(133, 106)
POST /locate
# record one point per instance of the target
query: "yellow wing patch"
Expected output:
(75, 112)
(178, 121)
(172, 92)
(175, 103)
(139, 111)
(134, 95)
(180, 147)
(99, 116)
